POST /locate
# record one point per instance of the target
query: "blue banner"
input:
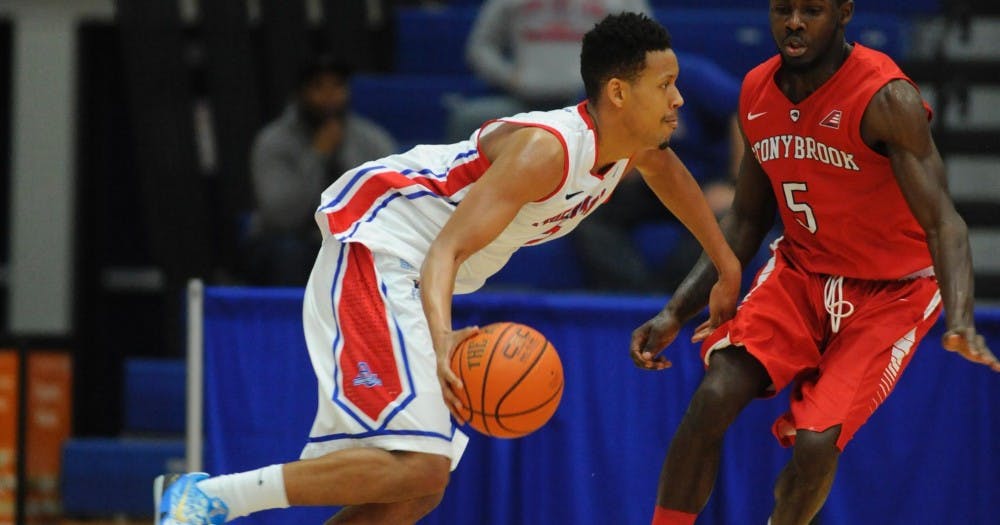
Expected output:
(928, 456)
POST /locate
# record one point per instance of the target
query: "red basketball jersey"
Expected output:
(842, 209)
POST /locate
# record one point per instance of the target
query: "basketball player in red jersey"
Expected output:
(837, 139)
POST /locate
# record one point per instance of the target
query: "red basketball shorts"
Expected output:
(843, 343)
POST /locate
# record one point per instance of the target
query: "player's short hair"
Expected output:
(616, 48)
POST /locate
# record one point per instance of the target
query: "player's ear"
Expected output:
(615, 91)
(846, 10)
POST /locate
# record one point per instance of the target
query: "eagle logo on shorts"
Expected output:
(366, 377)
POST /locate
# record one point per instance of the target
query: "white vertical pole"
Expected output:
(42, 177)
(195, 372)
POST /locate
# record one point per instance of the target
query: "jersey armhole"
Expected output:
(856, 127)
(550, 129)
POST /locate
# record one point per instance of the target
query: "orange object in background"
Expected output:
(8, 435)
(49, 410)
(49, 414)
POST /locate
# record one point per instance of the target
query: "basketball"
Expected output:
(512, 377)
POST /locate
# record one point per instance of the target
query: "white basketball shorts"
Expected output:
(371, 349)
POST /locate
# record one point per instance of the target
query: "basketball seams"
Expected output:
(554, 398)
(520, 380)
(486, 375)
(555, 395)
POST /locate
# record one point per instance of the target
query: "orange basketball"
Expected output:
(513, 379)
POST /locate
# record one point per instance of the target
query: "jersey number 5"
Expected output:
(799, 207)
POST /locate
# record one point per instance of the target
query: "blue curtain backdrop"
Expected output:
(929, 456)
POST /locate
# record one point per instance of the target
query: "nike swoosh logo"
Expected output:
(571, 195)
(755, 116)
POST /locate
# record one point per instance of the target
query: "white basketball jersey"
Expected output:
(398, 204)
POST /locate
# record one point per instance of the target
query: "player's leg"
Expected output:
(859, 368)
(805, 482)
(365, 475)
(766, 344)
(352, 476)
(733, 379)
(402, 513)
(405, 486)
(382, 433)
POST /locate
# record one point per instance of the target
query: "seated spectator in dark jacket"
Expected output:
(293, 159)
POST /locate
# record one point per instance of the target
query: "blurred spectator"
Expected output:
(293, 159)
(529, 49)
(709, 143)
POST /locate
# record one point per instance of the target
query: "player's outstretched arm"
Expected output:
(527, 164)
(896, 120)
(743, 228)
(673, 184)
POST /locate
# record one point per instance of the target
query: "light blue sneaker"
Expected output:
(179, 500)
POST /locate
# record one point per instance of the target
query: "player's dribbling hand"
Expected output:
(651, 338)
(971, 346)
(444, 349)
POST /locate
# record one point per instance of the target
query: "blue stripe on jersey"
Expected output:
(426, 171)
(361, 435)
(407, 172)
(461, 156)
(380, 207)
(357, 176)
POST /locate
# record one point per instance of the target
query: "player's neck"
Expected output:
(797, 84)
(606, 129)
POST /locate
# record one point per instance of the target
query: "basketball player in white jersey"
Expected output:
(404, 233)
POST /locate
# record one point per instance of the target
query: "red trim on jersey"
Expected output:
(565, 149)
(479, 135)
(582, 109)
(856, 126)
(381, 183)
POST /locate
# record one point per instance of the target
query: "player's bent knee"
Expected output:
(706, 415)
(428, 474)
(816, 453)
(721, 396)
(423, 506)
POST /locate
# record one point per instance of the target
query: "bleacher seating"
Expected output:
(912, 7)
(430, 48)
(154, 396)
(432, 40)
(113, 476)
(739, 39)
(411, 107)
